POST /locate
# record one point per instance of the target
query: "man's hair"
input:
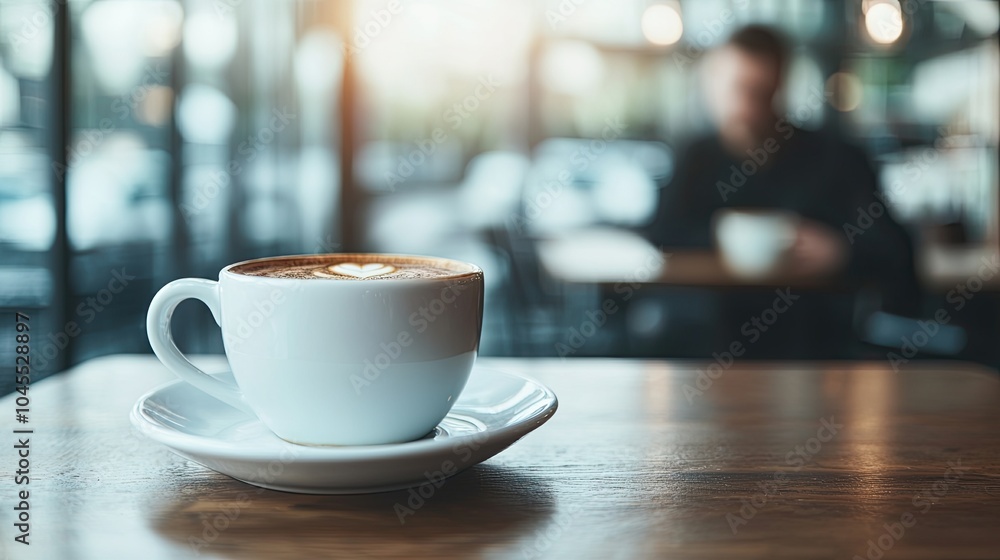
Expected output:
(763, 41)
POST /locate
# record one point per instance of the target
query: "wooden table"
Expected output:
(634, 465)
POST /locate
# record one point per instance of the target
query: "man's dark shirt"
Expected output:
(812, 174)
(819, 177)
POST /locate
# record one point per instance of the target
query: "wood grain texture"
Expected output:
(628, 468)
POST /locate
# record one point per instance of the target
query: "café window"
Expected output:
(142, 141)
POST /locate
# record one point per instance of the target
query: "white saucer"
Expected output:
(495, 410)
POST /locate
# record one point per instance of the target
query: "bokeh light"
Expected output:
(844, 90)
(884, 22)
(209, 39)
(662, 24)
(572, 68)
(205, 115)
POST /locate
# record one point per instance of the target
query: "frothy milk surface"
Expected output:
(364, 267)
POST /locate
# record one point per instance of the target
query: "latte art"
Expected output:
(357, 270)
(359, 267)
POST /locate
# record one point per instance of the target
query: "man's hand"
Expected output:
(818, 250)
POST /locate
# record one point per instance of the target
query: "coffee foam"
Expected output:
(350, 267)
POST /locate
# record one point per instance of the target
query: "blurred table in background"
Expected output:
(610, 256)
(644, 459)
(942, 267)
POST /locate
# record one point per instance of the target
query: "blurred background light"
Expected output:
(163, 27)
(27, 218)
(318, 62)
(884, 21)
(113, 35)
(119, 36)
(210, 38)
(27, 29)
(805, 96)
(662, 24)
(10, 101)
(491, 191)
(29, 223)
(205, 115)
(155, 107)
(572, 68)
(844, 91)
(426, 19)
(107, 188)
(624, 193)
(982, 16)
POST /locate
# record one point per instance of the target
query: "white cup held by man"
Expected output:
(753, 243)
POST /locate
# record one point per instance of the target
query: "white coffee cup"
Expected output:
(753, 242)
(325, 361)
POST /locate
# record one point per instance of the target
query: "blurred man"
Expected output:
(758, 160)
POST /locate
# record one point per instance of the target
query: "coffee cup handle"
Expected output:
(158, 329)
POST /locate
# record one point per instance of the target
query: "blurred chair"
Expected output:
(531, 312)
(896, 333)
(581, 184)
